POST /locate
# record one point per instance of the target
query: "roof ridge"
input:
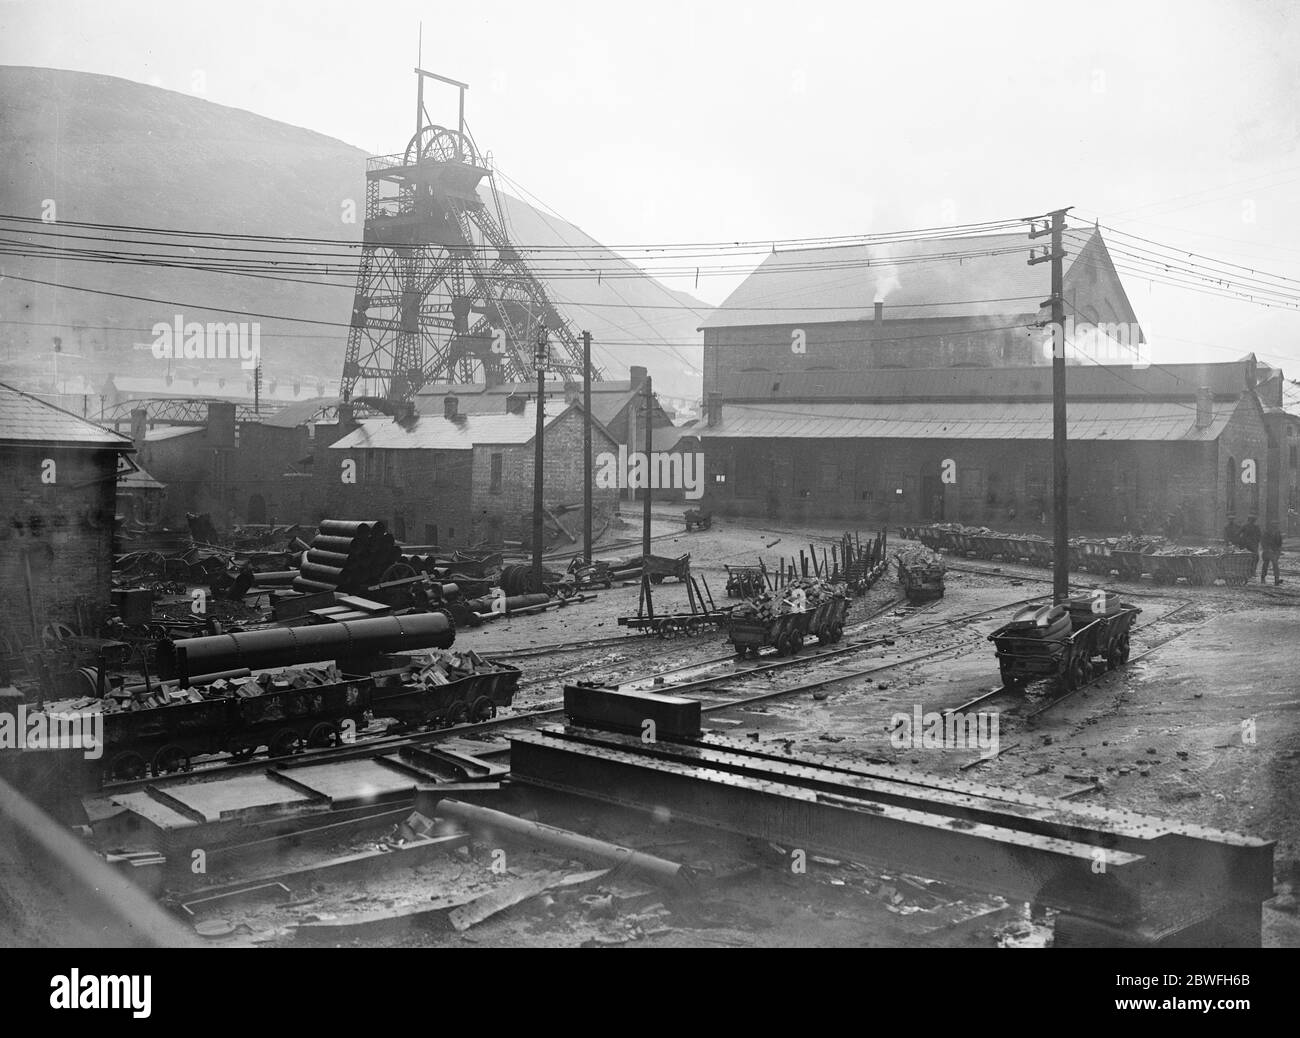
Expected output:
(63, 411)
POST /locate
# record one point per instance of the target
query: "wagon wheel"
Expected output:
(398, 571)
(1124, 647)
(1011, 682)
(284, 742)
(1114, 658)
(782, 645)
(322, 734)
(483, 710)
(170, 758)
(127, 765)
(457, 712)
(694, 627)
(1075, 674)
(242, 753)
(795, 642)
(837, 632)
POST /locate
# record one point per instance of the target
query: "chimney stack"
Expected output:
(139, 425)
(636, 375)
(880, 310)
(515, 403)
(713, 410)
(451, 407)
(1204, 408)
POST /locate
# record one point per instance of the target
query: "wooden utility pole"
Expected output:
(649, 430)
(586, 447)
(1060, 497)
(539, 358)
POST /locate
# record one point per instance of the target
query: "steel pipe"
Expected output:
(289, 646)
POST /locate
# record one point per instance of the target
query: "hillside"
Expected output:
(108, 150)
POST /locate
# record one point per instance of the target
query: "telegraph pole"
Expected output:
(649, 429)
(540, 357)
(586, 447)
(1060, 498)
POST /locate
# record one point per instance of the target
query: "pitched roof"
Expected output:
(436, 433)
(1136, 420)
(607, 398)
(28, 419)
(936, 277)
(1083, 381)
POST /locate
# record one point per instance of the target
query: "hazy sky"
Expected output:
(684, 122)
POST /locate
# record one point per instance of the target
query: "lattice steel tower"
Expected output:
(442, 294)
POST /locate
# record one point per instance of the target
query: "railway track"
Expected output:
(378, 745)
(1056, 700)
(375, 745)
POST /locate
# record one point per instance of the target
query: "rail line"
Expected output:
(984, 697)
(377, 745)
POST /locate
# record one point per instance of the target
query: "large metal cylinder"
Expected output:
(290, 646)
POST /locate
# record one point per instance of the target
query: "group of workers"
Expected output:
(1263, 544)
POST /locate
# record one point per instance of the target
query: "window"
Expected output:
(494, 484)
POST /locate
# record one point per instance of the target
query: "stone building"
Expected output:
(58, 498)
(930, 303)
(455, 479)
(975, 446)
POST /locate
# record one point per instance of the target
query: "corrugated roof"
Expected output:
(973, 276)
(28, 419)
(1105, 420)
(436, 433)
(1226, 379)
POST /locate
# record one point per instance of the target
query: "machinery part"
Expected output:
(483, 710)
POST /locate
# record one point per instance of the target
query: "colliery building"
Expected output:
(975, 445)
(58, 495)
(932, 303)
(455, 479)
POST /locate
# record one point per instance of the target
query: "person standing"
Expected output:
(1250, 536)
(1232, 533)
(1272, 548)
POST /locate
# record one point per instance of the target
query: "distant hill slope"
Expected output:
(108, 150)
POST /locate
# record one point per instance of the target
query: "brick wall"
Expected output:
(62, 533)
(562, 476)
(853, 346)
(412, 491)
(1112, 486)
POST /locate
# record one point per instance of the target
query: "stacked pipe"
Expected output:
(346, 556)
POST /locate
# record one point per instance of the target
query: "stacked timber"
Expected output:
(346, 556)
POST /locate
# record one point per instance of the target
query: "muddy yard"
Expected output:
(1202, 725)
